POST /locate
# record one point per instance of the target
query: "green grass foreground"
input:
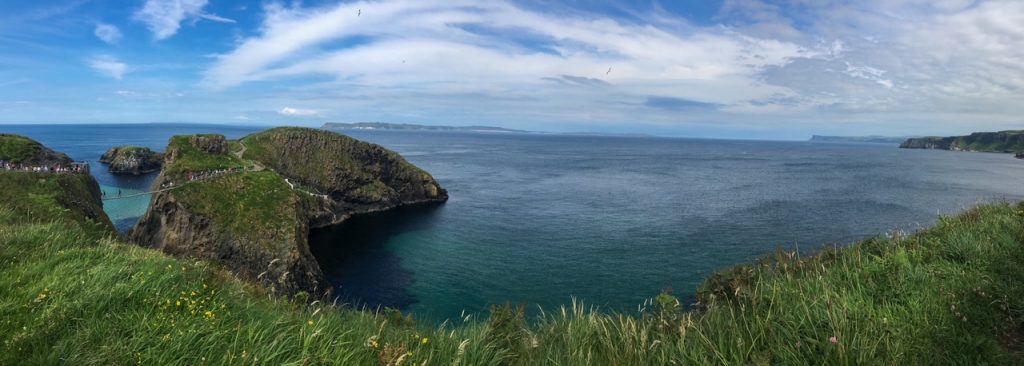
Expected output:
(71, 293)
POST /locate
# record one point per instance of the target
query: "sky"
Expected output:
(730, 68)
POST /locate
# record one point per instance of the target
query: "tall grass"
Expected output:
(950, 294)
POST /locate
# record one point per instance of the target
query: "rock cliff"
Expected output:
(132, 160)
(257, 198)
(1002, 141)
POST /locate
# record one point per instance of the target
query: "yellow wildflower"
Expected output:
(425, 340)
(310, 322)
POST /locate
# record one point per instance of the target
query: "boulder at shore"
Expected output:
(132, 160)
(249, 204)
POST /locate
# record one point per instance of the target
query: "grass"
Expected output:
(193, 160)
(72, 293)
(256, 205)
(16, 149)
(375, 173)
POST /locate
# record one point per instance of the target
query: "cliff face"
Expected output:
(256, 219)
(1003, 141)
(132, 160)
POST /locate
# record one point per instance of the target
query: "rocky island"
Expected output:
(133, 160)
(249, 204)
(1002, 141)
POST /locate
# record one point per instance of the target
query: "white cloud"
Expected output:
(164, 17)
(109, 66)
(464, 46)
(296, 112)
(108, 33)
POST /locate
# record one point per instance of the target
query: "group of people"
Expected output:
(55, 168)
(212, 173)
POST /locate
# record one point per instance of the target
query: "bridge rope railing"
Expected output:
(189, 178)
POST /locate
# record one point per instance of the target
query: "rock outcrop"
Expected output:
(132, 160)
(256, 221)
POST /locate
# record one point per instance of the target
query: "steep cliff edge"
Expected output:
(249, 204)
(1002, 141)
(132, 160)
(49, 196)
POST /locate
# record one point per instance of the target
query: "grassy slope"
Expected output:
(950, 294)
(192, 160)
(15, 148)
(257, 205)
(340, 157)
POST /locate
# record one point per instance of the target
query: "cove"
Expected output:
(358, 255)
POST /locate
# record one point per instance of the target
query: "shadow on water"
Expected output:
(358, 262)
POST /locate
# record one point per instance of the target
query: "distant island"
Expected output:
(869, 139)
(413, 127)
(1002, 141)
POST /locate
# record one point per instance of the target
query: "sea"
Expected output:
(543, 219)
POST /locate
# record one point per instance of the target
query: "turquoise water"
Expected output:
(541, 219)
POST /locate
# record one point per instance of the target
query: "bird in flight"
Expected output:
(609, 71)
(359, 12)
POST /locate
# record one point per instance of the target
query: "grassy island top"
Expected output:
(951, 294)
(19, 149)
(190, 159)
(254, 203)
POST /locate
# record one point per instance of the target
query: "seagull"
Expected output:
(609, 71)
(359, 12)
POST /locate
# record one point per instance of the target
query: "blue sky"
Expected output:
(731, 68)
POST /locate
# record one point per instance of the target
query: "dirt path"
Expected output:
(256, 165)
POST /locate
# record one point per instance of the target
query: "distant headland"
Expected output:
(414, 127)
(869, 139)
(1002, 141)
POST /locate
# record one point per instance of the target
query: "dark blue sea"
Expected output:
(540, 219)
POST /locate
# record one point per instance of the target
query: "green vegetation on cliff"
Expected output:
(21, 149)
(348, 169)
(256, 220)
(254, 205)
(187, 158)
(69, 294)
(1002, 141)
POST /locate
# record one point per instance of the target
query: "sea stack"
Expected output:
(132, 160)
(249, 204)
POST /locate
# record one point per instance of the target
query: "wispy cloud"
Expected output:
(164, 17)
(296, 112)
(108, 33)
(461, 46)
(109, 66)
(216, 18)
